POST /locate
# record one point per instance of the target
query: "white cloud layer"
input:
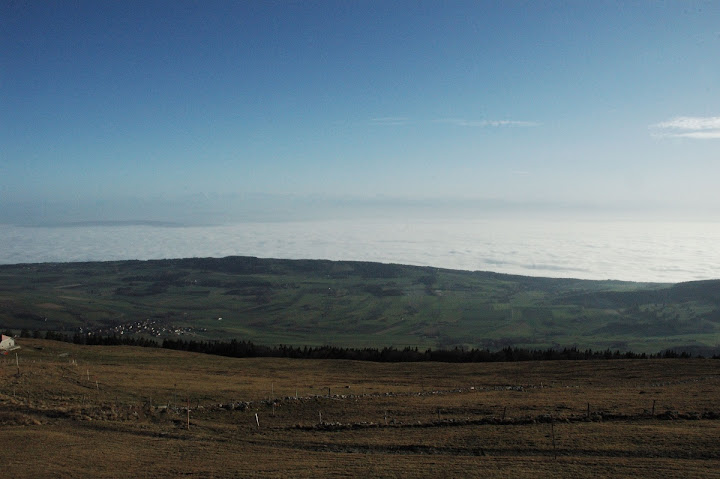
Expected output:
(638, 251)
(401, 120)
(486, 123)
(701, 128)
(391, 120)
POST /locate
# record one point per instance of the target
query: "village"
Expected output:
(154, 327)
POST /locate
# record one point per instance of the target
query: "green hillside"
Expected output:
(345, 303)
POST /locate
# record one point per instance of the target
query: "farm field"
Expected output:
(100, 411)
(355, 304)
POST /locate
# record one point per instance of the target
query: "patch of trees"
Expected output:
(160, 276)
(99, 340)
(702, 291)
(150, 290)
(231, 264)
(380, 291)
(30, 316)
(247, 349)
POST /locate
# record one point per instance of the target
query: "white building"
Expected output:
(7, 344)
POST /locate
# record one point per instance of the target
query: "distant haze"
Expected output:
(207, 209)
(638, 251)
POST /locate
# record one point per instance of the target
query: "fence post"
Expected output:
(552, 432)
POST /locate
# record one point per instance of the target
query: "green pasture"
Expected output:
(304, 302)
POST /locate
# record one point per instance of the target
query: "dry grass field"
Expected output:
(89, 411)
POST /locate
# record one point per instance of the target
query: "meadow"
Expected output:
(355, 304)
(117, 411)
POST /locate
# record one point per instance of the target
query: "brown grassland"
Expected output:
(91, 411)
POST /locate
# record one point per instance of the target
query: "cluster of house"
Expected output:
(149, 327)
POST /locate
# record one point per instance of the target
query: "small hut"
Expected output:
(7, 343)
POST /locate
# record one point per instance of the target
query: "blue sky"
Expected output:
(155, 103)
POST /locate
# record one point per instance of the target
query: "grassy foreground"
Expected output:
(91, 411)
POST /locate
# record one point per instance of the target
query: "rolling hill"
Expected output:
(359, 304)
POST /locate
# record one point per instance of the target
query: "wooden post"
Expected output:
(552, 432)
(328, 392)
(273, 409)
(653, 407)
(320, 415)
(504, 411)
(188, 413)
(257, 421)
(17, 363)
(588, 409)
(386, 418)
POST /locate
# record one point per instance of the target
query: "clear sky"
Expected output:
(599, 103)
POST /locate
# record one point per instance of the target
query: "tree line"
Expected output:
(247, 349)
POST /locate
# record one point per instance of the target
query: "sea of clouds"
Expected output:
(623, 250)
